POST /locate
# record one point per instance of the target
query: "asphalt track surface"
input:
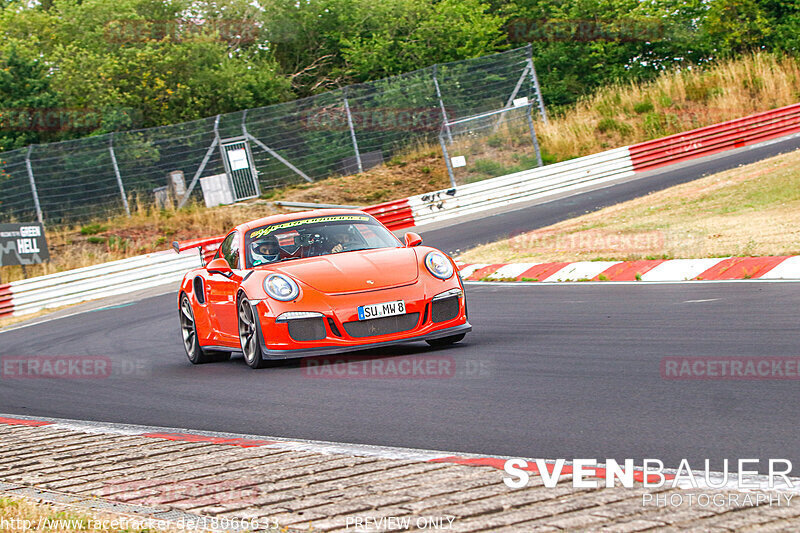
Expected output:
(550, 371)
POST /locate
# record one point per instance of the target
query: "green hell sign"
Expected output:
(22, 244)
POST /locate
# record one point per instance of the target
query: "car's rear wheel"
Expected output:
(248, 335)
(446, 341)
(196, 354)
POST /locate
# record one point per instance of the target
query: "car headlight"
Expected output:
(439, 265)
(281, 287)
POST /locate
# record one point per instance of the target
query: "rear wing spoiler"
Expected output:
(207, 247)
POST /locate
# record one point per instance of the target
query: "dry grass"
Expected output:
(57, 518)
(676, 101)
(416, 171)
(748, 211)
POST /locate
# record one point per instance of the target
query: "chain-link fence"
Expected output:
(490, 144)
(339, 132)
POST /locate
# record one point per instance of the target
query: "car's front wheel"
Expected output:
(446, 341)
(248, 335)
(196, 354)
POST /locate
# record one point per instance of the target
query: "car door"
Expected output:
(222, 292)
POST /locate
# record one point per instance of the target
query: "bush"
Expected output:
(495, 141)
(489, 167)
(93, 229)
(643, 107)
(608, 125)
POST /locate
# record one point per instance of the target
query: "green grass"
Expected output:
(93, 229)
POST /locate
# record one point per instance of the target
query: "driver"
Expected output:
(265, 250)
(343, 238)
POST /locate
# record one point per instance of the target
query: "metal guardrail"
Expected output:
(716, 138)
(310, 205)
(521, 186)
(98, 281)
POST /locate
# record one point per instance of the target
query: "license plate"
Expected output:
(366, 312)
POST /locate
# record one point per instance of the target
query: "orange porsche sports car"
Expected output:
(316, 283)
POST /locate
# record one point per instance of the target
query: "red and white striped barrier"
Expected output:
(6, 300)
(723, 268)
(587, 172)
(716, 138)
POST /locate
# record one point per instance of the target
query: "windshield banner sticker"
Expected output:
(338, 218)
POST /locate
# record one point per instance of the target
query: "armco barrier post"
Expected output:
(33, 185)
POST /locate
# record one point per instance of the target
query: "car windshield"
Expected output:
(314, 237)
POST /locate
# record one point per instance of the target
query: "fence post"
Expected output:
(116, 172)
(514, 94)
(272, 152)
(352, 131)
(441, 105)
(535, 81)
(33, 185)
(447, 160)
(203, 164)
(533, 136)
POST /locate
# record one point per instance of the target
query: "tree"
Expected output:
(580, 46)
(140, 63)
(331, 43)
(29, 108)
(735, 26)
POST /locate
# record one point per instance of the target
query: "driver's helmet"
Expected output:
(265, 250)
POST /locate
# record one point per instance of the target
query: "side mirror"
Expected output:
(412, 239)
(219, 266)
